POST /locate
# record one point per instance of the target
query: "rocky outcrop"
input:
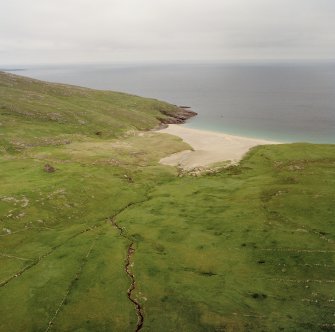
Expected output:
(182, 114)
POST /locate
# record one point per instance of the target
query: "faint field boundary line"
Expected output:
(72, 283)
(16, 257)
(297, 250)
(27, 229)
(39, 259)
(299, 281)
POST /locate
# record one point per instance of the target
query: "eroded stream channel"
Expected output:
(128, 269)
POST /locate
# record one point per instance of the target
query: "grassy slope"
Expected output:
(36, 113)
(250, 248)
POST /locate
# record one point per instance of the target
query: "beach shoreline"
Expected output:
(208, 147)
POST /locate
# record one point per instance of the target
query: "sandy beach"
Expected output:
(208, 147)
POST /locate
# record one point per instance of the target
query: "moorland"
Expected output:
(97, 235)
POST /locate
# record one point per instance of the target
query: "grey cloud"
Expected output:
(164, 30)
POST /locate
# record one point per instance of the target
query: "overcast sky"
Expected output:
(81, 31)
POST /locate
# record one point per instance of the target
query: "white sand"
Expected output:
(209, 147)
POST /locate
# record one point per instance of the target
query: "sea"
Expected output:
(287, 102)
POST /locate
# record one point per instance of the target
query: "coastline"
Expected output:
(182, 114)
(208, 147)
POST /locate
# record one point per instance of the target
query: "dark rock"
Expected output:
(49, 169)
(178, 117)
(184, 106)
(259, 296)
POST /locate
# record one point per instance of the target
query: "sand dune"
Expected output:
(208, 147)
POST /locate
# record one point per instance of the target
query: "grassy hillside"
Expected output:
(250, 248)
(39, 113)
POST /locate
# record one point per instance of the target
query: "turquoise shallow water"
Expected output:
(278, 101)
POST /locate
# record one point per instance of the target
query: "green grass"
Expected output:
(250, 248)
(35, 113)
